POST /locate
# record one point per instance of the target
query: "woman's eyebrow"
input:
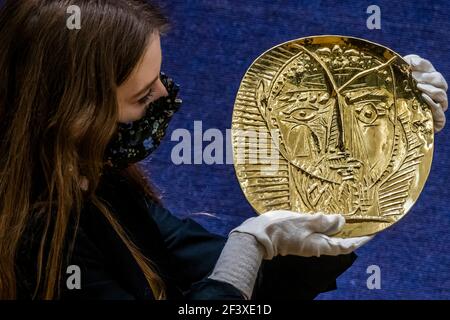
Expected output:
(145, 89)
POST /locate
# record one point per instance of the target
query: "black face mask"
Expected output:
(136, 140)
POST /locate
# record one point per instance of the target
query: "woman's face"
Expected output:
(143, 86)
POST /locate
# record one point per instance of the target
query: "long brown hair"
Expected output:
(58, 111)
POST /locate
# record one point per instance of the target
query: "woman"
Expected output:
(79, 108)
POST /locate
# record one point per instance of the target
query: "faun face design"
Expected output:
(334, 140)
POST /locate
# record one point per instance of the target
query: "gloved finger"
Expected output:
(439, 118)
(433, 78)
(368, 238)
(328, 224)
(418, 63)
(281, 215)
(317, 222)
(437, 94)
(347, 245)
(320, 244)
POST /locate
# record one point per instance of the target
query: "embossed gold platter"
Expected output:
(332, 124)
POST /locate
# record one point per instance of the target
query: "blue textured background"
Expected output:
(211, 45)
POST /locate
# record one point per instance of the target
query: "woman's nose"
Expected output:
(160, 90)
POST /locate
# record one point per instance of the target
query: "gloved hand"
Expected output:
(433, 87)
(291, 233)
(278, 233)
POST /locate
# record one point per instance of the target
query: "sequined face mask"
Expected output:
(135, 141)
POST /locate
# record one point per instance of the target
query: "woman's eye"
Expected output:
(147, 98)
(368, 113)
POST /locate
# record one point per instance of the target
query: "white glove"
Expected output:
(433, 87)
(291, 233)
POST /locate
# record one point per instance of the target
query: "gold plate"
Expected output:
(332, 124)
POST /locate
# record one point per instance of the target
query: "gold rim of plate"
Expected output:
(332, 124)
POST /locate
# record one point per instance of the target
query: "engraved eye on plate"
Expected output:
(368, 113)
(301, 113)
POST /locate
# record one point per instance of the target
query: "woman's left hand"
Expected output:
(433, 87)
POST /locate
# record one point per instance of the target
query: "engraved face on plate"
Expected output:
(352, 133)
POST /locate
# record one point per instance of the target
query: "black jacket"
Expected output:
(183, 251)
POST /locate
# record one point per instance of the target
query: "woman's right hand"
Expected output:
(292, 233)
